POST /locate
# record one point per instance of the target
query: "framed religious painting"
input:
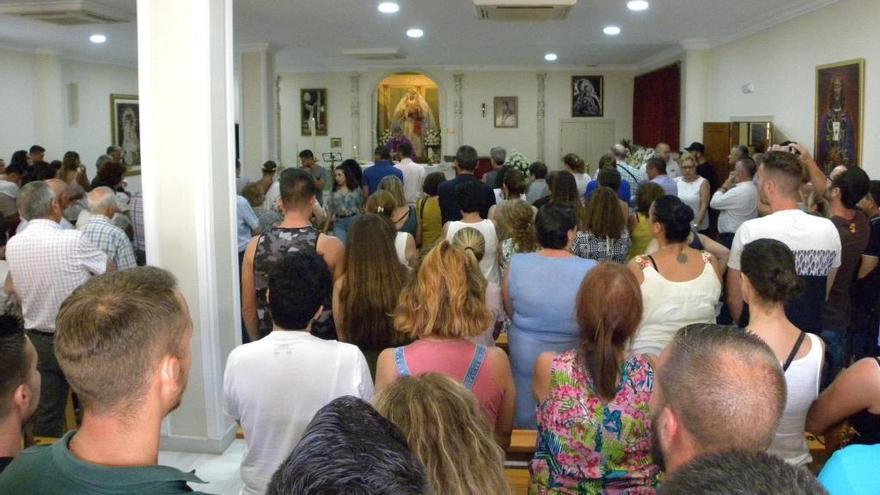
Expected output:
(840, 107)
(313, 112)
(587, 96)
(506, 112)
(125, 130)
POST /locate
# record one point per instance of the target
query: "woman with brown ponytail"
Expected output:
(594, 420)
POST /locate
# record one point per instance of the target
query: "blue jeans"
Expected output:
(835, 355)
(340, 227)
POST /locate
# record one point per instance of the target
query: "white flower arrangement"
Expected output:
(519, 161)
(431, 137)
(640, 156)
(385, 137)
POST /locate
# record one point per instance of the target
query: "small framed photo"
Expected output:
(506, 112)
(336, 142)
(587, 96)
(125, 130)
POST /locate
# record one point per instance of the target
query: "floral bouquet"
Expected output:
(640, 156)
(518, 161)
(385, 137)
(432, 137)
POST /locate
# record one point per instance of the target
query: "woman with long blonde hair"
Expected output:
(445, 430)
(474, 245)
(444, 307)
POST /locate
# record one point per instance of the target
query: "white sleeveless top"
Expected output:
(669, 306)
(802, 381)
(689, 194)
(489, 263)
(400, 247)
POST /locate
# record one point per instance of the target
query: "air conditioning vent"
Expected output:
(523, 10)
(67, 13)
(374, 53)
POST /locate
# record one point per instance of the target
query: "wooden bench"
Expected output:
(522, 445)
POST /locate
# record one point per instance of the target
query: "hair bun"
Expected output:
(683, 214)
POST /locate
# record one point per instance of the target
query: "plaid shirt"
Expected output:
(46, 264)
(112, 240)
(136, 212)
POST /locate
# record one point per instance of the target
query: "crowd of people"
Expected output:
(666, 332)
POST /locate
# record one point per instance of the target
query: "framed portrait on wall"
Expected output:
(313, 112)
(587, 96)
(506, 112)
(840, 97)
(125, 130)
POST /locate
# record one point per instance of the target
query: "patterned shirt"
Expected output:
(633, 176)
(589, 446)
(136, 211)
(112, 240)
(47, 263)
(345, 204)
(589, 246)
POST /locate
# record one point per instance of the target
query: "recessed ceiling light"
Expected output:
(637, 5)
(611, 30)
(415, 33)
(97, 38)
(550, 57)
(388, 7)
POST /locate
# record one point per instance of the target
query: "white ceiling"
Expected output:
(310, 34)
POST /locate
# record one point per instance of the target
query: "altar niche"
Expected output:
(409, 110)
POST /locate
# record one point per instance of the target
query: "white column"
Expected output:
(48, 103)
(459, 111)
(695, 91)
(257, 126)
(542, 130)
(186, 102)
(355, 145)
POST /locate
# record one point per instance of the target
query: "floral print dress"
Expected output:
(588, 446)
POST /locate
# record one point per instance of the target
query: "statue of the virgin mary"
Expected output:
(413, 116)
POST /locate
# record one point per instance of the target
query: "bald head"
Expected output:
(102, 201)
(662, 150)
(60, 189)
(724, 387)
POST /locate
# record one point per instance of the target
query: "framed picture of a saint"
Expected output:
(587, 96)
(506, 112)
(313, 112)
(125, 130)
(840, 98)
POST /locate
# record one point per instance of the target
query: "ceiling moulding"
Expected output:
(695, 44)
(373, 53)
(255, 47)
(523, 10)
(31, 50)
(460, 68)
(774, 18)
(67, 13)
(661, 59)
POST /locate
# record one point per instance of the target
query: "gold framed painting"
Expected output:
(840, 109)
(506, 112)
(125, 130)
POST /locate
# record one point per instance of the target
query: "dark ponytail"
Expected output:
(675, 216)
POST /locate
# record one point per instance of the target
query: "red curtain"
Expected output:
(657, 107)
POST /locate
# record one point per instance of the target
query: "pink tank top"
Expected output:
(460, 360)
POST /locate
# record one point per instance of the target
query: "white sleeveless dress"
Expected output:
(689, 194)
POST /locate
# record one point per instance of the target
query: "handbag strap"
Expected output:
(794, 351)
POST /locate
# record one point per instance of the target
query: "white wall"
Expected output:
(89, 135)
(781, 62)
(478, 87)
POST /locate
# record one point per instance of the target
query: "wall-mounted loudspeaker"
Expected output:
(73, 103)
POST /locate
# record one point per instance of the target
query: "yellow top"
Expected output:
(641, 236)
(428, 212)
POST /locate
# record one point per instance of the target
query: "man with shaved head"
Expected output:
(100, 230)
(46, 264)
(717, 389)
(664, 151)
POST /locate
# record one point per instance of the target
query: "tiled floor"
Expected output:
(219, 471)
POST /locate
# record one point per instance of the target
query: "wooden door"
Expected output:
(718, 138)
(589, 139)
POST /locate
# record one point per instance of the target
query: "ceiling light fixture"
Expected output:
(637, 5)
(415, 33)
(97, 38)
(550, 57)
(611, 30)
(388, 8)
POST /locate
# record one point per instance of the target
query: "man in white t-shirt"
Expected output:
(813, 240)
(274, 386)
(413, 173)
(736, 200)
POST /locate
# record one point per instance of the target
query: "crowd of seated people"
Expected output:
(651, 348)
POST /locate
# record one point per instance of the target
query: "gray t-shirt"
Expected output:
(319, 172)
